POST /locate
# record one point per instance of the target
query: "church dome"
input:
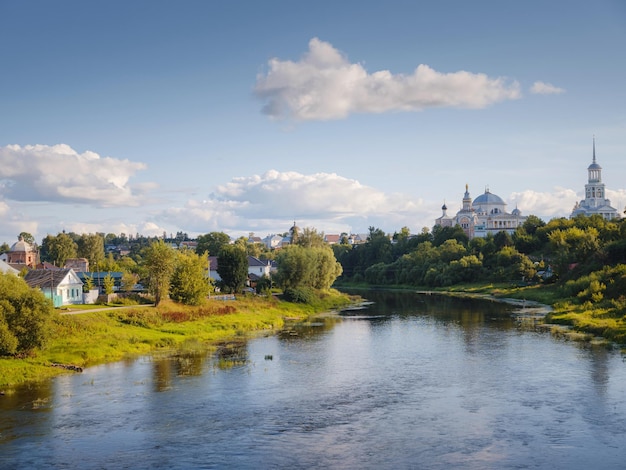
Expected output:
(488, 198)
(516, 212)
(594, 166)
(444, 207)
(21, 246)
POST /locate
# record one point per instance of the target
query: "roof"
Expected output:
(46, 277)
(21, 246)
(488, 198)
(6, 269)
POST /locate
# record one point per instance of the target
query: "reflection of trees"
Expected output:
(231, 354)
(308, 330)
(162, 374)
(189, 363)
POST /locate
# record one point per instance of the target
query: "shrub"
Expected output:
(301, 295)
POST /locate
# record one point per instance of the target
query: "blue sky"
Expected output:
(242, 116)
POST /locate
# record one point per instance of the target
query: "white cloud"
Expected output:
(58, 173)
(325, 85)
(542, 88)
(546, 205)
(272, 201)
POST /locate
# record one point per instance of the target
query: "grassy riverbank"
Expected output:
(104, 336)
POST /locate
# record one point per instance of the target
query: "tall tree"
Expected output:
(57, 249)
(232, 266)
(91, 246)
(190, 284)
(212, 243)
(160, 261)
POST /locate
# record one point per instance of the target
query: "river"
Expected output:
(412, 382)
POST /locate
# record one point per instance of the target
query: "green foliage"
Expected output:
(300, 266)
(57, 249)
(91, 246)
(232, 266)
(300, 295)
(212, 243)
(190, 284)
(160, 261)
(109, 284)
(128, 281)
(25, 316)
(88, 284)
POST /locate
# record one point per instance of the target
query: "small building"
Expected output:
(22, 253)
(62, 286)
(77, 264)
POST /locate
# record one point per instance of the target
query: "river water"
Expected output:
(414, 381)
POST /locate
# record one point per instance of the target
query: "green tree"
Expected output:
(109, 284)
(128, 281)
(88, 284)
(190, 284)
(212, 243)
(91, 246)
(300, 266)
(27, 237)
(25, 316)
(57, 249)
(160, 260)
(4, 248)
(232, 266)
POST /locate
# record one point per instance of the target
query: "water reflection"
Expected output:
(416, 382)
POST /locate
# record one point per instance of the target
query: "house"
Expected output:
(256, 268)
(332, 239)
(63, 286)
(99, 276)
(77, 264)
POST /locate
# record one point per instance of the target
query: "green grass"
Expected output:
(96, 337)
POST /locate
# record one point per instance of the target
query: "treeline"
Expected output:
(560, 250)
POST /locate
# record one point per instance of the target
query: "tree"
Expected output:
(88, 285)
(232, 266)
(190, 284)
(57, 249)
(128, 281)
(212, 243)
(4, 248)
(25, 316)
(160, 262)
(300, 266)
(109, 284)
(27, 237)
(91, 246)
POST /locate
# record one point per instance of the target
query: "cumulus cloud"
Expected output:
(546, 205)
(324, 85)
(58, 173)
(326, 201)
(542, 88)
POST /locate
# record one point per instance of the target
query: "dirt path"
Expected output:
(74, 312)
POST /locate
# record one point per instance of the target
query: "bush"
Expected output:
(300, 295)
(25, 316)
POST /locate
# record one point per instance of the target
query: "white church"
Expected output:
(595, 201)
(485, 214)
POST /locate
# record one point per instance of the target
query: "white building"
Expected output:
(595, 201)
(485, 214)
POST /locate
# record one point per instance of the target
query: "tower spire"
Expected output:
(594, 148)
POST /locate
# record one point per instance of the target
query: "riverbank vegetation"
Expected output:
(97, 337)
(578, 266)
